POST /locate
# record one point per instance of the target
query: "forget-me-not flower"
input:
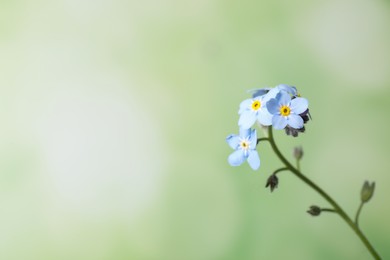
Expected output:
(252, 110)
(289, 89)
(259, 92)
(272, 92)
(286, 111)
(292, 91)
(245, 148)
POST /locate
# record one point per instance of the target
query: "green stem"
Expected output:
(328, 210)
(358, 213)
(262, 139)
(336, 207)
(281, 169)
(298, 165)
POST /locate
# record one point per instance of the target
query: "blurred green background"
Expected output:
(114, 116)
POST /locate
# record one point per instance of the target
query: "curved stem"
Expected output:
(358, 213)
(336, 207)
(281, 169)
(262, 139)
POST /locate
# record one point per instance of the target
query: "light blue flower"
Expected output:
(286, 111)
(259, 92)
(291, 90)
(252, 110)
(245, 148)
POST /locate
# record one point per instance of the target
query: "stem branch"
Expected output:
(358, 214)
(261, 139)
(281, 169)
(329, 210)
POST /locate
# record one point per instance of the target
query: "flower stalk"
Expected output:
(358, 214)
(331, 201)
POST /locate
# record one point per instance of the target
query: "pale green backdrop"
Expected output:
(114, 116)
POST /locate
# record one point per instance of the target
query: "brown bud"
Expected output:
(314, 210)
(272, 182)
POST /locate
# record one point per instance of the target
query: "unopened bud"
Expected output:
(367, 191)
(314, 210)
(272, 182)
(298, 152)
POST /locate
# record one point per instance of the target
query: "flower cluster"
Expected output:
(281, 107)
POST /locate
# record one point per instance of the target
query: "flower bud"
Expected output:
(293, 132)
(314, 210)
(367, 191)
(298, 152)
(306, 116)
(272, 182)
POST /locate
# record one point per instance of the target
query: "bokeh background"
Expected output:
(114, 116)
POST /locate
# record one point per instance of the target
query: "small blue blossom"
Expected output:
(289, 89)
(272, 92)
(245, 148)
(252, 110)
(259, 92)
(286, 111)
(292, 91)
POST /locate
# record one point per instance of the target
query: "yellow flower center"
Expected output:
(256, 105)
(285, 110)
(244, 144)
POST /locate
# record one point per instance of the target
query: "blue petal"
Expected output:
(253, 139)
(264, 117)
(236, 158)
(289, 89)
(271, 94)
(299, 105)
(273, 106)
(294, 91)
(254, 159)
(295, 121)
(279, 122)
(247, 119)
(244, 133)
(260, 92)
(233, 141)
(245, 105)
(283, 98)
